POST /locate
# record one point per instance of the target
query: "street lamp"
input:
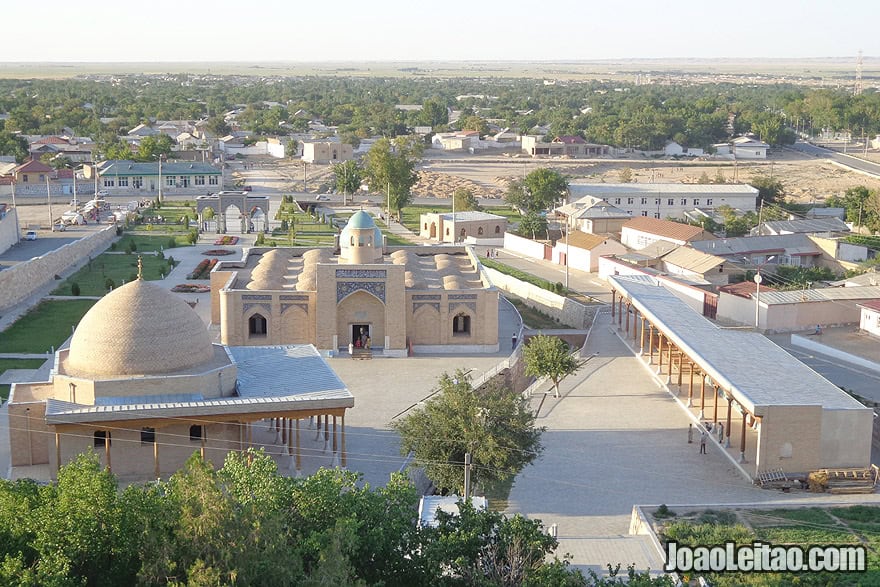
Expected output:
(758, 280)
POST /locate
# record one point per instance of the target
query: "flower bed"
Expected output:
(191, 288)
(226, 240)
(218, 252)
(203, 269)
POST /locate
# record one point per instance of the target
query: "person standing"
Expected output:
(703, 442)
(513, 342)
(690, 433)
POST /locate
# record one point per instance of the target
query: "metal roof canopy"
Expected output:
(756, 371)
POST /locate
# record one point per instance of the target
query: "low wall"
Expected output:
(524, 246)
(21, 281)
(809, 343)
(566, 311)
(9, 229)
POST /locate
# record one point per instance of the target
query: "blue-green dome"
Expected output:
(361, 219)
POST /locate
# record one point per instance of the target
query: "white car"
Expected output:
(30, 235)
(322, 198)
(101, 194)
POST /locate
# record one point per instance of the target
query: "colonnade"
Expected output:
(674, 362)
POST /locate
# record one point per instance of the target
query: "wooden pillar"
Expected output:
(334, 435)
(288, 428)
(342, 459)
(107, 450)
(642, 339)
(326, 428)
(702, 395)
(659, 351)
(690, 384)
(680, 365)
(204, 436)
(715, 409)
(298, 451)
(742, 437)
(627, 317)
(635, 324)
(283, 431)
(650, 344)
(156, 454)
(613, 302)
(668, 359)
(727, 425)
(57, 453)
(250, 435)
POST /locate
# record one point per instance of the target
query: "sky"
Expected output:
(421, 30)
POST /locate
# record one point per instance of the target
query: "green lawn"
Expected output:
(44, 326)
(150, 242)
(93, 277)
(170, 213)
(16, 364)
(410, 215)
(533, 318)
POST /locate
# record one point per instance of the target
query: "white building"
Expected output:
(870, 320)
(667, 200)
(582, 251)
(742, 148)
(640, 232)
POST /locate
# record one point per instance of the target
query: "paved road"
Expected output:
(843, 159)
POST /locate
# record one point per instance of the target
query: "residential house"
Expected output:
(327, 152)
(742, 148)
(668, 200)
(698, 267)
(448, 227)
(870, 317)
(565, 146)
(593, 215)
(639, 232)
(456, 141)
(800, 226)
(787, 249)
(582, 251)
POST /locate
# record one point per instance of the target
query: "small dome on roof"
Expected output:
(361, 219)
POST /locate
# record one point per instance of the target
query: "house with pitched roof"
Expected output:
(639, 232)
(593, 215)
(870, 318)
(582, 251)
(742, 148)
(130, 178)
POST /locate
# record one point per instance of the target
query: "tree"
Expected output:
(862, 206)
(625, 175)
(541, 189)
(550, 356)
(392, 172)
(474, 122)
(14, 145)
(152, 147)
(291, 149)
(217, 126)
(434, 112)
(770, 190)
(464, 200)
(118, 150)
(533, 224)
(494, 424)
(348, 176)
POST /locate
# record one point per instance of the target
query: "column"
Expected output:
(727, 425)
(156, 454)
(283, 432)
(668, 361)
(342, 459)
(635, 324)
(650, 344)
(642, 340)
(627, 317)
(690, 403)
(289, 441)
(715, 414)
(107, 450)
(702, 395)
(680, 367)
(57, 453)
(326, 430)
(204, 438)
(298, 451)
(613, 302)
(659, 352)
(742, 437)
(334, 435)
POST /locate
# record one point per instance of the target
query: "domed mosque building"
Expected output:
(142, 384)
(366, 297)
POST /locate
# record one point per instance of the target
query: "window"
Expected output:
(616, 200)
(670, 202)
(629, 200)
(656, 214)
(137, 182)
(108, 182)
(200, 180)
(123, 182)
(644, 212)
(480, 231)
(497, 229)
(462, 233)
(24, 178)
(196, 433)
(101, 438)
(684, 201)
(709, 202)
(461, 324)
(334, 154)
(696, 201)
(447, 232)
(184, 180)
(257, 325)
(656, 201)
(148, 435)
(170, 180)
(644, 200)
(426, 226)
(42, 178)
(212, 180)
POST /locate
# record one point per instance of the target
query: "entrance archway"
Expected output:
(233, 219)
(359, 310)
(433, 230)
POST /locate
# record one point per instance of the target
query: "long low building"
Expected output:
(789, 417)
(668, 200)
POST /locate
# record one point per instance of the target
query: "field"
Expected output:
(92, 278)
(45, 326)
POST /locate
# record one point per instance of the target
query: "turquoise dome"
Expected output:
(360, 219)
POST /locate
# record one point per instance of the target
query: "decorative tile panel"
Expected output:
(471, 305)
(289, 297)
(417, 305)
(246, 307)
(462, 296)
(303, 307)
(251, 297)
(361, 273)
(344, 288)
(426, 297)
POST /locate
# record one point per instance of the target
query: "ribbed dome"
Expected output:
(139, 329)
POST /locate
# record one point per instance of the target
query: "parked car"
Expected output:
(322, 198)
(247, 188)
(30, 235)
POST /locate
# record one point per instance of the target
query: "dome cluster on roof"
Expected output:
(139, 329)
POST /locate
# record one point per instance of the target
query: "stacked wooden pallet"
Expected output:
(851, 480)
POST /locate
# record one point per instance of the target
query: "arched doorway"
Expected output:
(258, 220)
(433, 230)
(360, 311)
(208, 219)
(233, 220)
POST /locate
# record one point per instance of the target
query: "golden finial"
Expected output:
(140, 267)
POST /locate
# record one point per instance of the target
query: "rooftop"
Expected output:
(806, 225)
(667, 228)
(692, 260)
(791, 244)
(592, 207)
(643, 189)
(470, 216)
(582, 240)
(128, 168)
(864, 292)
(757, 371)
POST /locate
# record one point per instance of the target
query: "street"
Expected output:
(842, 158)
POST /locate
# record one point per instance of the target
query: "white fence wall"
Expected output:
(523, 246)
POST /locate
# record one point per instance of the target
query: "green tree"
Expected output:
(550, 357)
(532, 224)
(118, 150)
(862, 206)
(494, 424)
(391, 172)
(349, 176)
(474, 122)
(465, 200)
(152, 147)
(14, 145)
(291, 148)
(217, 126)
(770, 189)
(541, 189)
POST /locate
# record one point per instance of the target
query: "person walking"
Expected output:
(690, 433)
(703, 442)
(513, 342)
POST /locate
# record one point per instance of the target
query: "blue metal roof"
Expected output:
(129, 168)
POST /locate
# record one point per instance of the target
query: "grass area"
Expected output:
(534, 319)
(92, 279)
(16, 364)
(170, 213)
(523, 276)
(803, 527)
(410, 215)
(149, 242)
(45, 326)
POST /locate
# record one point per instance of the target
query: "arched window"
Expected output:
(257, 325)
(426, 226)
(497, 229)
(352, 240)
(461, 325)
(462, 233)
(480, 231)
(447, 231)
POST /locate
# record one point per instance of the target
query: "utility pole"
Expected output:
(467, 475)
(567, 251)
(49, 198)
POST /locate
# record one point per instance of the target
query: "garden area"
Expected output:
(857, 525)
(532, 318)
(107, 271)
(203, 269)
(301, 229)
(144, 242)
(45, 326)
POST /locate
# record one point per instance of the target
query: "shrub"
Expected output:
(74, 289)
(260, 240)
(118, 231)
(109, 284)
(150, 226)
(193, 237)
(558, 287)
(171, 243)
(113, 246)
(130, 247)
(664, 512)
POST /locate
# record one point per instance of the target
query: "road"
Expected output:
(842, 158)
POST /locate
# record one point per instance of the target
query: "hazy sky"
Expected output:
(377, 30)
